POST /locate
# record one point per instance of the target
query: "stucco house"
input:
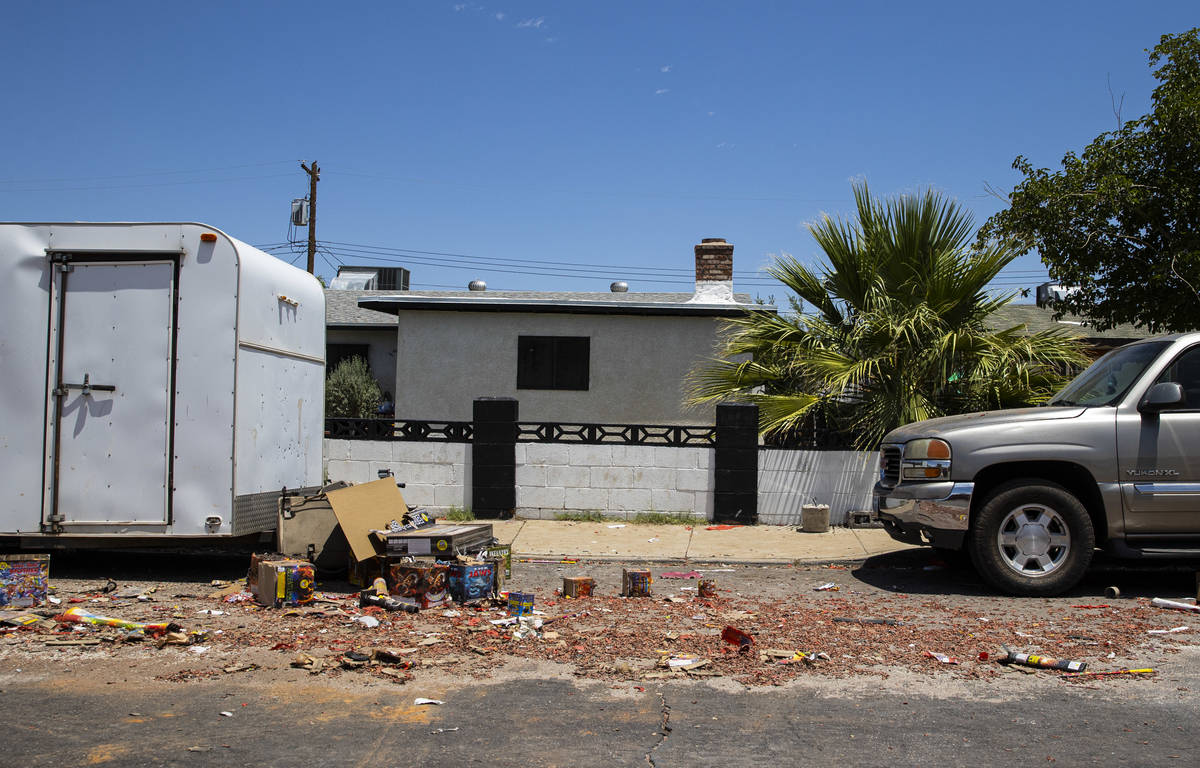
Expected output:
(577, 357)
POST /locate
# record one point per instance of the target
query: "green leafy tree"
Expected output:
(351, 392)
(1122, 220)
(898, 329)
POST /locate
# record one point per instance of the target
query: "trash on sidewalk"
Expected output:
(370, 622)
(828, 586)
(684, 662)
(419, 702)
(1079, 675)
(679, 575)
(1042, 662)
(735, 636)
(308, 662)
(1175, 605)
(80, 616)
(24, 580)
(443, 730)
(636, 582)
(578, 586)
(527, 626)
(707, 588)
(857, 620)
(941, 657)
(1112, 593)
(1170, 631)
(722, 527)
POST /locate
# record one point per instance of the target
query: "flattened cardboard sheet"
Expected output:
(361, 509)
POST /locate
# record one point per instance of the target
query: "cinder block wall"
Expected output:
(618, 481)
(437, 476)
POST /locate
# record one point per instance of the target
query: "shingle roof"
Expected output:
(341, 307)
(1038, 319)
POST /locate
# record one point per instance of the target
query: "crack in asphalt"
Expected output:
(664, 730)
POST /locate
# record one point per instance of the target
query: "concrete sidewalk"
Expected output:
(618, 540)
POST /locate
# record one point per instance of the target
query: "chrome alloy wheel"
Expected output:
(1033, 540)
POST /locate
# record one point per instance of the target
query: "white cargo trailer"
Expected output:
(159, 380)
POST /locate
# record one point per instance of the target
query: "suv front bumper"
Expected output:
(925, 513)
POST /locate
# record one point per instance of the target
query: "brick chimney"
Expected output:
(714, 272)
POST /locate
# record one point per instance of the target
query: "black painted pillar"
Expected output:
(494, 458)
(736, 464)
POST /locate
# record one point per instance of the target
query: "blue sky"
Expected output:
(551, 146)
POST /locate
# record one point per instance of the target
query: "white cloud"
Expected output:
(460, 7)
(665, 68)
(500, 16)
(532, 23)
(710, 114)
(661, 91)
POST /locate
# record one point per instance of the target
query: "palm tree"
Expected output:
(898, 329)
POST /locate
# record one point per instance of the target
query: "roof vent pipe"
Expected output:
(619, 287)
(476, 285)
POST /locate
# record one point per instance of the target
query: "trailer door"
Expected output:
(109, 415)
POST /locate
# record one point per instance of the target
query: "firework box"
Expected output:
(23, 580)
(578, 586)
(635, 583)
(421, 583)
(502, 552)
(443, 541)
(472, 580)
(284, 582)
(520, 603)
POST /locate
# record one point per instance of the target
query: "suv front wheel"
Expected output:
(1031, 537)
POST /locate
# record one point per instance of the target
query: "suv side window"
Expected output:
(1186, 372)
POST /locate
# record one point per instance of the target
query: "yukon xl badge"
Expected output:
(1153, 473)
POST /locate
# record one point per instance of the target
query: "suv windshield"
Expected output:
(1106, 380)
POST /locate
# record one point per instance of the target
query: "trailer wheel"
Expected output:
(1031, 537)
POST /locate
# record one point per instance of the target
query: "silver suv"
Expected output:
(1113, 460)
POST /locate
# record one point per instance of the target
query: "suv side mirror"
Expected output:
(1163, 395)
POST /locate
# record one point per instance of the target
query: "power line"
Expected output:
(141, 175)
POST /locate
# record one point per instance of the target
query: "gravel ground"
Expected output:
(937, 607)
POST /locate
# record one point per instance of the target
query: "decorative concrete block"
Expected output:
(370, 450)
(630, 499)
(633, 456)
(585, 499)
(545, 498)
(547, 453)
(532, 475)
(612, 477)
(695, 480)
(589, 455)
(337, 450)
(350, 471)
(662, 500)
(567, 477)
(654, 477)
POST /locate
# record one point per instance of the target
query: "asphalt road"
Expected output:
(560, 723)
(538, 714)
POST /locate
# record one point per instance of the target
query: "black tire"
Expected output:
(1047, 543)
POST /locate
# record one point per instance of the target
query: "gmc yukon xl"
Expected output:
(1112, 461)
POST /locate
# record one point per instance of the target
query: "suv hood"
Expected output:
(946, 425)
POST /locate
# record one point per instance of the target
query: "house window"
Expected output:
(553, 362)
(336, 353)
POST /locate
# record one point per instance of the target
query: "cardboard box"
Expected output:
(520, 603)
(636, 583)
(284, 582)
(499, 552)
(472, 581)
(24, 580)
(423, 584)
(578, 586)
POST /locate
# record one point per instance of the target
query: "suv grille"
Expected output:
(889, 464)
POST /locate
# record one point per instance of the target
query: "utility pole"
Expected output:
(314, 175)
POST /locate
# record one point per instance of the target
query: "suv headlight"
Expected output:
(927, 459)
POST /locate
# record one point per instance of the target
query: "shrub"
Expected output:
(351, 392)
